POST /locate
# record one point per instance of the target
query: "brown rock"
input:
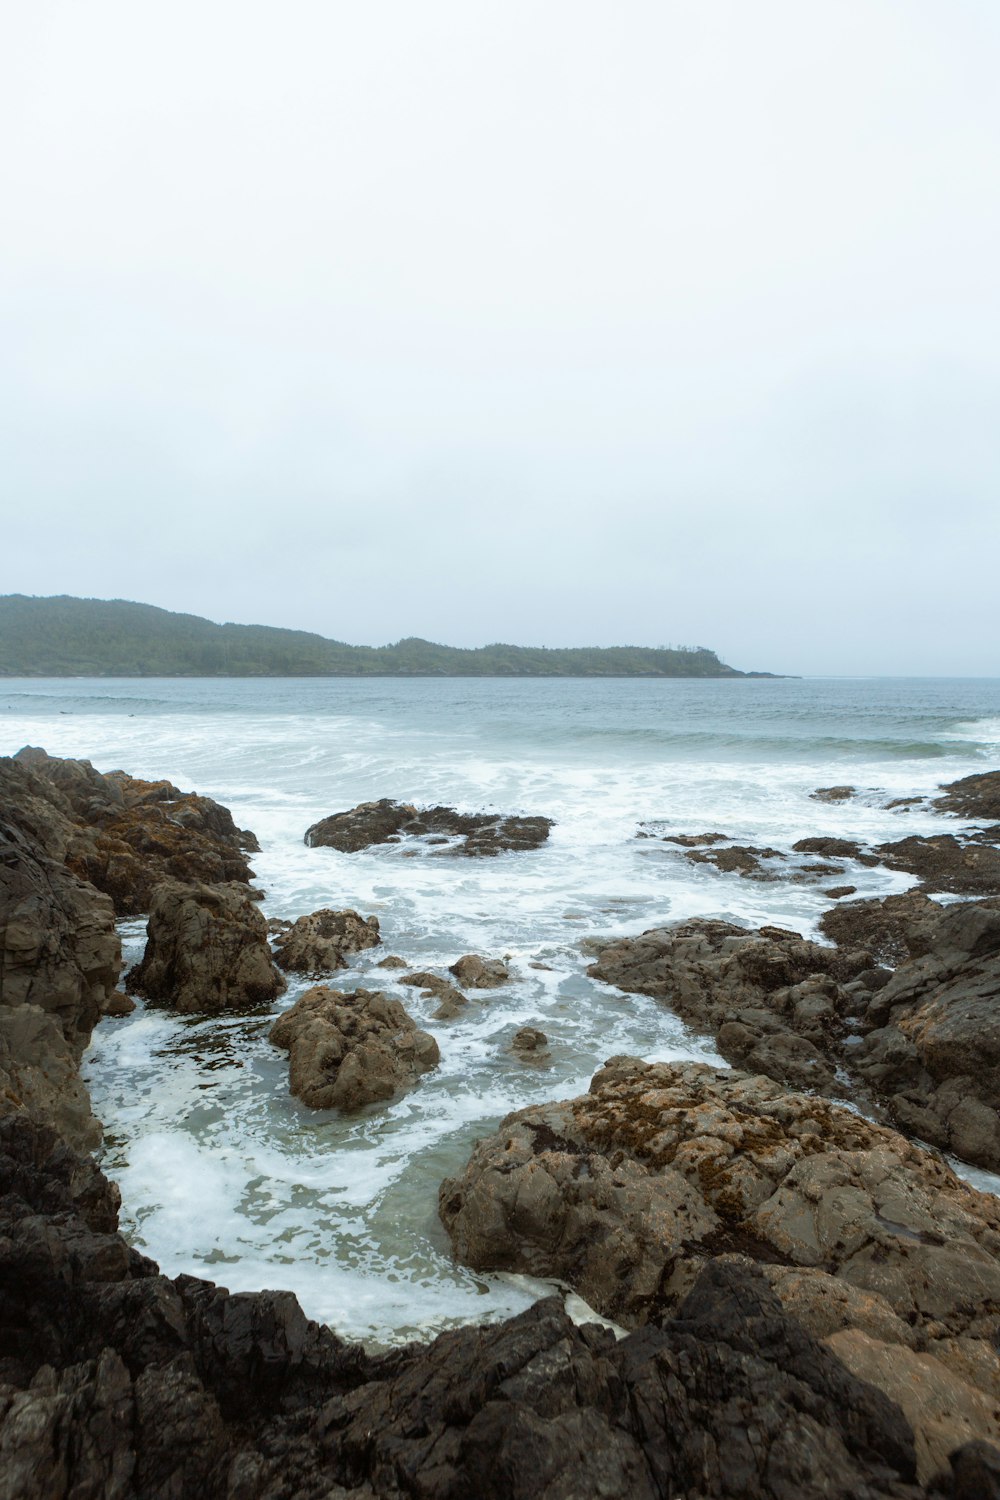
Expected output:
(348, 1050)
(477, 973)
(316, 944)
(529, 1039)
(893, 928)
(206, 951)
(385, 822)
(833, 793)
(976, 796)
(963, 866)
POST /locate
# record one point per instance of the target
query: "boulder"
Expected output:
(347, 1050)
(833, 793)
(477, 973)
(528, 1039)
(892, 928)
(206, 951)
(382, 822)
(626, 1193)
(316, 944)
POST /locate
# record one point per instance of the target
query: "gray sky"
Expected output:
(556, 323)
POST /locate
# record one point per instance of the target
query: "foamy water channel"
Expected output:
(222, 1173)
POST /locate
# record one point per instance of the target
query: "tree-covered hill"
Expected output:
(67, 637)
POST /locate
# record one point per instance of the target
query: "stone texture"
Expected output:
(627, 1192)
(318, 943)
(348, 1050)
(476, 973)
(125, 836)
(117, 1382)
(976, 796)
(479, 834)
(206, 951)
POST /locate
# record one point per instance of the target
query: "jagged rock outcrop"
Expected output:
(629, 1190)
(942, 862)
(60, 958)
(317, 944)
(775, 1002)
(923, 1043)
(385, 821)
(125, 835)
(117, 1381)
(347, 1050)
(976, 796)
(206, 951)
(933, 1043)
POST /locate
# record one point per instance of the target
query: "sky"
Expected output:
(558, 323)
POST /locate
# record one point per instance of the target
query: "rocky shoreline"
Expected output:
(807, 1300)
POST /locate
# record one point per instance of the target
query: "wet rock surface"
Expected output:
(976, 796)
(317, 944)
(477, 973)
(628, 1191)
(125, 835)
(119, 1381)
(206, 951)
(385, 821)
(348, 1050)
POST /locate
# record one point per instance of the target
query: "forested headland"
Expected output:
(68, 637)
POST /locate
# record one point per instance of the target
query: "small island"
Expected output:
(68, 637)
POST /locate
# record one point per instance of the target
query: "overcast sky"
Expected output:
(557, 322)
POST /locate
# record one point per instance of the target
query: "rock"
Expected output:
(628, 1192)
(120, 1382)
(529, 1039)
(206, 951)
(685, 840)
(39, 1075)
(453, 1002)
(893, 928)
(386, 821)
(976, 796)
(477, 973)
(737, 859)
(833, 793)
(943, 1410)
(833, 848)
(125, 836)
(946, 863)
(348, 1050)
(836, 892)
(316, 944)
(392, 961)
(774, 1002)
(937, 1053)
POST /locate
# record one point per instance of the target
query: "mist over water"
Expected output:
(223, 1174)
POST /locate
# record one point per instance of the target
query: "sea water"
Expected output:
(224, 1174)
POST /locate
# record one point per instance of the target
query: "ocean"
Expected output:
(223, 1174)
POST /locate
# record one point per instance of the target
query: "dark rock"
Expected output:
(946, 863)
(348, 1050)
(206, 951)
(386, 821)
(529, 1039)
(316, 944)
(833, 793)
(836, 892)
(737, 859)
(976, 796)
(893, 928)
(833, 848)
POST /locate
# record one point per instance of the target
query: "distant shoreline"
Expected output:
(116, 638)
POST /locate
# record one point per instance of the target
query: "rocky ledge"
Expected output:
(922, 1042)
(629, 1193)
(387, 822)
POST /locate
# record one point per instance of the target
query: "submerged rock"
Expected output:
(834, 793)
(386, 822)
(206, 951)
(348, 1050)
(316, 944)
